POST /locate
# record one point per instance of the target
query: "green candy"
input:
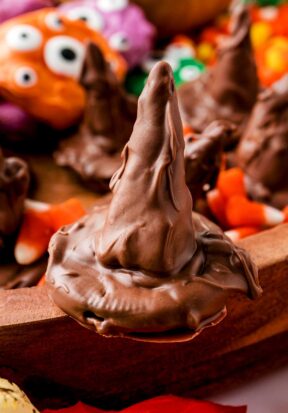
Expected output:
(188, 69)
(263, 3)
(185, 69)
(135, 81)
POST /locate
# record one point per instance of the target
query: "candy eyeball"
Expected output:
(64, 55)
(119, 41)
(24, 38)
(91, 17)
(189, 73)
(269, 13)
(112, 5)
(53, 22)
(25, 77)
(179, 51)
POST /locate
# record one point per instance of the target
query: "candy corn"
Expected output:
(65, 213)
(217, 205)
(187, 131)
(231, 182)
(42, 281)
(40, 221)
(285, 212)
(242, 212)
(34, 234)
(238, 233)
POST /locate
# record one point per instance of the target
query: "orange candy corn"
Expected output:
(231, 182)
(42, 280)
(40, 221)
(242, 212)
(217, 205)
(34, 234)
(285, 212)
(238, 233)
(65, 213)
(187, 131)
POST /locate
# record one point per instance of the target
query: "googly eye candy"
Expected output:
(54, 22)
(64, 55)
(91, 17)
(26, 77)
(120, 42)
(112, 5)
(24, 38)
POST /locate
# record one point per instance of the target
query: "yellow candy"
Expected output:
(260, 33)
(276, 55)
(275, 60)
(205, 52)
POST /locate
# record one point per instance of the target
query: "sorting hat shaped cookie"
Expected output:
(95, 151)
(144, 266)
(14, 182)
(263, 149)
(229, 90)
(203, 156)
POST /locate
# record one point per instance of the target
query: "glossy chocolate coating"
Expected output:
(144, 266)
(203, 157)
(263, 150)
(229, 90)
(14, 182)
(95, 151)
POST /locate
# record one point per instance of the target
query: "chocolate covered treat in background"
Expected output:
(95, 151)
(263, 149)
(228, 90)
(14, 183)
(204, 157)
(144, 266)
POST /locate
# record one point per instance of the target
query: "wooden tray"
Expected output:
(57, 362)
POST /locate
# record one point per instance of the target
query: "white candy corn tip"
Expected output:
(36, 205)
(273, 216)
(13, 400)
(25, 254)
(112, 5)
(233, 235)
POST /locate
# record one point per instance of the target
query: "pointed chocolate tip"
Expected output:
(94, 63)
(240, 21)
(160, 80)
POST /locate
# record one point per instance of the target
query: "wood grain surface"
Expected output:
(57, 362)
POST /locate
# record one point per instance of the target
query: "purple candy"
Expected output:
(14, 121)
(13, 8)
(124, 25)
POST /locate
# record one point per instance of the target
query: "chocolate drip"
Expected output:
(14, 182)
(94, 152)
(263, 150)
(229, 90)
(144, 266)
